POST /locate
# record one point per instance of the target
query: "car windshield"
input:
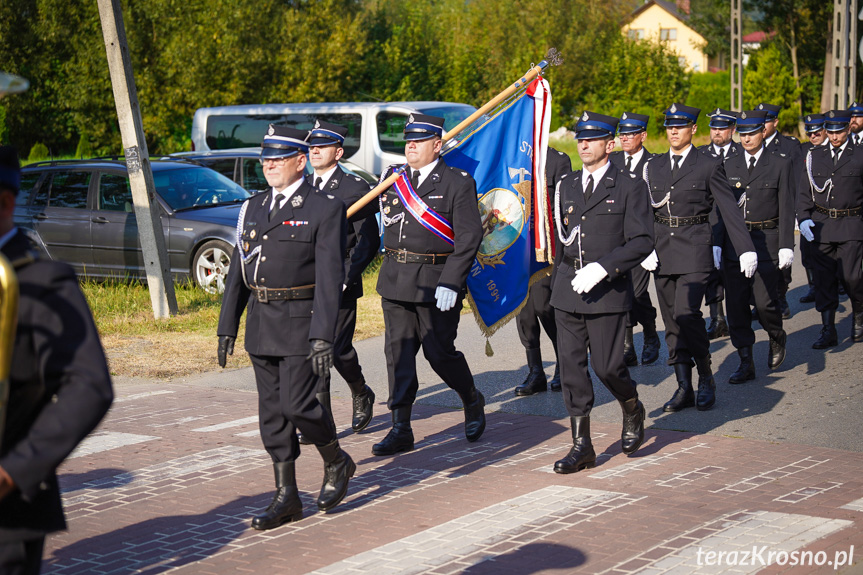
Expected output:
(196, 187)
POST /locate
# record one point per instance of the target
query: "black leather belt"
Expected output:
(765, 225)
(834, 213)
(406, 257)
(676, 221)
(575, 263)
(266, 295)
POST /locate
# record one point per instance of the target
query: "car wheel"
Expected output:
(211, 264)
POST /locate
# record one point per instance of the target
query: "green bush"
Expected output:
(84, 149)
(39, 151)
(4, 131)
(708, 91)
(768, 78)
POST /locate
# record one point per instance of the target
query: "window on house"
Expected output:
(668, 34)
(636, 34)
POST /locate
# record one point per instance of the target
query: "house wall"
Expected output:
(688, 43)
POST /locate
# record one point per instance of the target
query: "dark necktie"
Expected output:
(751, 163)
(588, 191)
(676, 167)
(628, 163)
(415, 179)
(721, 153)
(318, 182)
(836, 152)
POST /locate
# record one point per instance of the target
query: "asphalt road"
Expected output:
(814, 398)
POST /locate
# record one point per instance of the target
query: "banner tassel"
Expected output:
(488, 350)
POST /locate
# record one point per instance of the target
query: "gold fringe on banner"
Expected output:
(489, 331)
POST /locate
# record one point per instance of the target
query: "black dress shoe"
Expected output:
(536, 380)
(650, 351)
(746, 369)
(683, 396)
(400, 438)
(338, 469)
(630, 358)
(474, 415)
(581, 455)
(632, 435)
(718, 327)
(363, 409)
(286, 505)
(809, 296)
(777, 354)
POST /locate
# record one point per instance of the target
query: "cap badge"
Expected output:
(760, 106)
(743, 116)
(624, 116)
(673, 109)
(271, 131)
(317, 124)
(585, 117)
(717, 112)
(411, 119)
(832, 114)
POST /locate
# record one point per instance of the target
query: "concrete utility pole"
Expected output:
(844, 63)
(150, 232)
(736, 56)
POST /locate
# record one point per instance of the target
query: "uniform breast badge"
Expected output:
(253, 234)
(297, 201)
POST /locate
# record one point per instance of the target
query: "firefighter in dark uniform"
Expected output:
(603, 230)
(790, 146)
(422, 279)
(363, 241)
(537, 310)
(288, 274)
(59, 388)
(817, 137)
(829, 206)
(765, 188)
(632, 131)
(684, 186)
(856, 124)
(721, 129)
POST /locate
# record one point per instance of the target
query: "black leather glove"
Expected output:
(226, 348)
(321, 356)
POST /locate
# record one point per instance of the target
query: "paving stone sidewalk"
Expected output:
(169, 482)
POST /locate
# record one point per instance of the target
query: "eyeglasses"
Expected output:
(629, 135)
(275, 161)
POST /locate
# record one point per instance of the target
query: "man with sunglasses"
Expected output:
(287, 275)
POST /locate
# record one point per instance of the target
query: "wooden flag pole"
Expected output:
(553, 57)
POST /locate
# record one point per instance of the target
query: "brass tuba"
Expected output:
(8, 322)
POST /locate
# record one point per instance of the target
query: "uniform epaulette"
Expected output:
(633, 176)
(359, 179)
(564, 176)
(459, 171)
(330, 197)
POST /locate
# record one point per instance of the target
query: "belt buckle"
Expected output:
(402, 256)
(749, 226)
(833, 213)
(261, 294)
(673, 221)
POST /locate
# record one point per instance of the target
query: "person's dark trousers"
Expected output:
(536, 311)
(764, 287)
(21, 557)
(806, 259)
(410, 326)
(345, 358)
(714, 291)
(602, 335)
(643, 311)
(286, 402)
(679, 298)
(832, 261)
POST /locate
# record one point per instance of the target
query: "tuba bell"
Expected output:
(8, 322)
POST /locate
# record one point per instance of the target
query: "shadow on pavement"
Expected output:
(530, 558)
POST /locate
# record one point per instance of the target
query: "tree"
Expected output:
(768, 78)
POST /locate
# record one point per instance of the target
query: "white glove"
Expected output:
(786, 258)
(806, 230)
(587, 277)
(445, 298)
(717, 257)
(748, 263)
(651, 262)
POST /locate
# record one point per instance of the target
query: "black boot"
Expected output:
(474, 415)
(632, 435)
(683, 396)
(364, 403)
(324, 400)
(857, 330)
(630, 358)
(746, 369)
(582, 455)
(829, 337)
(777, 351)
(536, 380)
(286, 505)
(400, 437)
(706, 396)
(783, 306)
(810, 295)
(650, 351)
(718, 326)
(338, 469)
(554, 384)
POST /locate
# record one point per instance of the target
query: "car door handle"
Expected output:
(41, 216)
(100, 220)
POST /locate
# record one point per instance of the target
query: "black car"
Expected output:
(80, 212)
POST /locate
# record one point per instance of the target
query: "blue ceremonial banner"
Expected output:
(506, 157)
